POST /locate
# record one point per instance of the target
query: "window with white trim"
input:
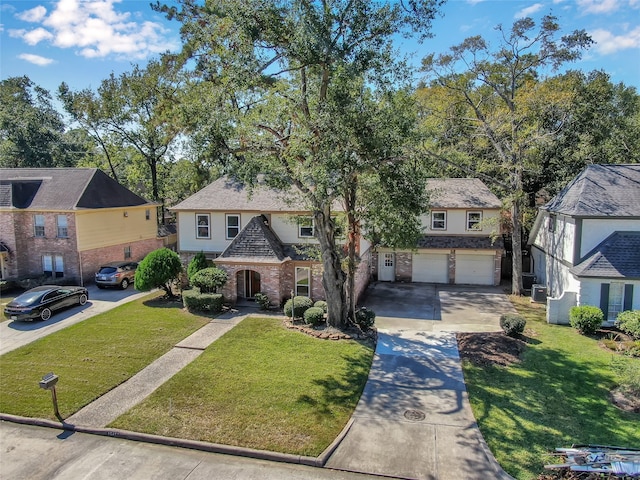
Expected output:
(127, 252)
(474, 220)
(303, 281)
(38, 225)
(438, 220)
(233, 225)
(305, 227)
(203, 225)
(61, 223)
(616, 300)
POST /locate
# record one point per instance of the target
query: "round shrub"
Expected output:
(208, 280)
(197, 263)
(321, 304)
(365, 318)
(313, 316)
(629, 322)
(512, 324)
(301, 305)
(262, 300)
(586, 319)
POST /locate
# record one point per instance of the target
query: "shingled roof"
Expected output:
(601, 191)
(460, 242)
(256, 242)
(618, 256)
(461, 193)
(63, 189)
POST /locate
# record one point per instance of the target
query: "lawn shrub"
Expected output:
(194, 300)
(262, 300)
(197, 263)
(209, 279)
(321, 304)
(629, 322)
(586, 319)
(301, 305)
(313, 316)
(512, 324)
(365, 318)
(159, 269)
(628, 376)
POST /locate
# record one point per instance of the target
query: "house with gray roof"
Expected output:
(264, 239)
(585, 243)
(64, 223)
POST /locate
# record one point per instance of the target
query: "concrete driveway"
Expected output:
(437, 308)
(16, 334)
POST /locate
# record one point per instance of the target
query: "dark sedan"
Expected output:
(41, 302)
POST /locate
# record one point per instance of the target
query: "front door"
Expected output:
(387, 267)
(248, 283)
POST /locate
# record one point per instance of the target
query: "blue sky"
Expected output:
(82, 42)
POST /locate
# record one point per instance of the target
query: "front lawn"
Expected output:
(92, 357)
(558, 394)
(260, 386)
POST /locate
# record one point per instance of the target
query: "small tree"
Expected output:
(208, 280)
(197, 263)
(159, 269)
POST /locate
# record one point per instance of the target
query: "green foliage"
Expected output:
(628, 375)
(586, 319)
(197, 263)
(263, 301)
(301, 304)
(159, 269)
(313, 316)
(629, 322)
(209, 279)
(365, 318)
(321, 304)
(194, 300)
(512, 324)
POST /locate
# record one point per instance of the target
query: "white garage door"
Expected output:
(475, 269)
(430, 267)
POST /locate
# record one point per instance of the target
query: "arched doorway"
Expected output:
(248, 283)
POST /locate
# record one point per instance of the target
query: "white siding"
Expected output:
(457, 222)
(559, 242)
(595, 231)
(430, 267)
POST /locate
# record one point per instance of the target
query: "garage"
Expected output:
(474, 269)
(430, 268)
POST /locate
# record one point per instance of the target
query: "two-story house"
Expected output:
(585, 243)
(461, 242)
(65, 222)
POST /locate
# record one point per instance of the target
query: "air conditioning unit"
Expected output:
(538, 293)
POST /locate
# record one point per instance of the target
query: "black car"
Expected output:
(40, 302)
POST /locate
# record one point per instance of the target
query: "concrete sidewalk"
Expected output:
(414, 420)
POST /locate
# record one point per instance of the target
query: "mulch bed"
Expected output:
(490, 348)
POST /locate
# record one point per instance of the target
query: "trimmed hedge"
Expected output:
(512, 324)
(629, 322)
(365, 318)
(321, 304)
(209, 279)
(586, 319)
(194, 300)
(302, 304)
(313, 316)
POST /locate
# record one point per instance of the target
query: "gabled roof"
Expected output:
(601, 191)
(226, 194)
(461, 193)
(63, 189)
(256, 242)
(617, 256)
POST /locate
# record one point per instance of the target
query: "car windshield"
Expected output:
(107, 270)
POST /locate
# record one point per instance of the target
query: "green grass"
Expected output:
(92, 357)
(557, 395)
(260, 386)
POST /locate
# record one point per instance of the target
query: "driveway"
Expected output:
(16, 334)
(432, 307)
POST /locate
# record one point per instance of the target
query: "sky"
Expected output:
(81, 42)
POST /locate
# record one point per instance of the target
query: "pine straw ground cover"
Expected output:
(260, 386)
(549, 388)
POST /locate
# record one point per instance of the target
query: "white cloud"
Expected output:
(35, 59)
(33, 37)
(525, 12)
(35, 14)
(607, 42)
(598, 6)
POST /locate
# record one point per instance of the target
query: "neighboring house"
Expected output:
(260, 238)
(65, 222)
(585, 243)
(461, 243)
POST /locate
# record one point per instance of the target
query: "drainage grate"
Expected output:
(415, 415)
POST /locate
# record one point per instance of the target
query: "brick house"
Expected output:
(65, 222)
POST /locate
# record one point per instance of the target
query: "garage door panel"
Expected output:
(475, 269)
(430, 268)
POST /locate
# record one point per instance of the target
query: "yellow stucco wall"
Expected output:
(105, 227)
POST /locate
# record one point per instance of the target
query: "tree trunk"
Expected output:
(516, 234)
(352, 237)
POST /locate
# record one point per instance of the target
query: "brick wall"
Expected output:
(363, 274)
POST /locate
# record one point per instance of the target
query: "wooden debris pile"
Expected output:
(618, 461)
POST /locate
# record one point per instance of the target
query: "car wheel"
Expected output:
(45, 314)
(83, 299)
(124, 284)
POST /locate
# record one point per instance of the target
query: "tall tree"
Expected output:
(293, 83)
(496, 92)
(31, 130)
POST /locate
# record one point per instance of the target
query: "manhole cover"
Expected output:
(415, 415)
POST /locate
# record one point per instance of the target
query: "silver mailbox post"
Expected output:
(48, 382)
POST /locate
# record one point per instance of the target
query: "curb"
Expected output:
(319, 461)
